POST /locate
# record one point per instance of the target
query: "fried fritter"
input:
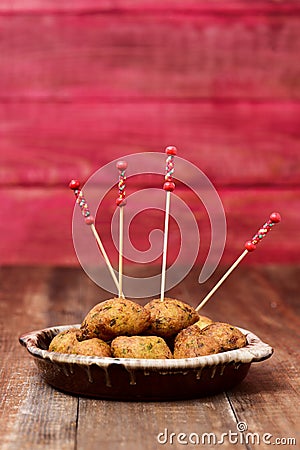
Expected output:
(227, 336)
(190, 343)
(144, 347)
(93, 347)
(203, 322)
(170, 316)
(66, 342)
(115, 317)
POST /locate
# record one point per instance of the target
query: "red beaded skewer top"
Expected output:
(75, 186)
(121, 166)
(169, 184)
(262, 232)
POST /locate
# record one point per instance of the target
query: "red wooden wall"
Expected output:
(83, 82)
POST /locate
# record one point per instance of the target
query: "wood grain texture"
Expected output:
(233, 143)
(41, 231)
(65, 6)
(24, 299)
(270, 310)
(148, 420)
(122, 55)
(33, 415)
(84, 82)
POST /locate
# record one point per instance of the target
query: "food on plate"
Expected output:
(190, 343)
(170, 316)
(216, 337)
(64, 342)
(67, 342)
(144, 347)
(227, 336)
(114, 317)
(203, 322)
(94, 347)
(165, 329)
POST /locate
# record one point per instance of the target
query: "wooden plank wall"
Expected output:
(83, 82)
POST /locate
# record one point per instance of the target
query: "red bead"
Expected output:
(171, 150)
(275, 217)
(89, 220)
(74, 184)
(121, 201)
(121, 165)
(262, 231)
(250, 246)
(169, 186)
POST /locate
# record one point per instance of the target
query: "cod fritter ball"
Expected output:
(93, 347)
(227, 336)
(144, 347)
(203, 322)
(115, 317)
(190, 343)
(67, 342)
(170, 316)
(64, 342)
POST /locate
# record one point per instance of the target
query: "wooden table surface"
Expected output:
(33, 415)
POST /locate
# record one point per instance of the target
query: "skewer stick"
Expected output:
(121, 202)
(104, 254)
(121, 252)
(165, 246)
(169, 187)
(90, 220)
(250, 246)
(221, 281)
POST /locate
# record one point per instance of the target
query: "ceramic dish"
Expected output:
(142, 379)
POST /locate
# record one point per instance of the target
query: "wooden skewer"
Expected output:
(169, 187)
(165, 246)
(121, 252)
(221, 281)
(104, 254)
(89, 220)
(121, 202)
(250, 246)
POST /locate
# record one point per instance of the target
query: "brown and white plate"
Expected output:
(142, 379)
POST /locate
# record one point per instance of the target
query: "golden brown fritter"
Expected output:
(227, 336)
(115, 317)
(203, 322)
(66, 342)
(190, 343)
(93, 347)
(170, 316)
(144, 347)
